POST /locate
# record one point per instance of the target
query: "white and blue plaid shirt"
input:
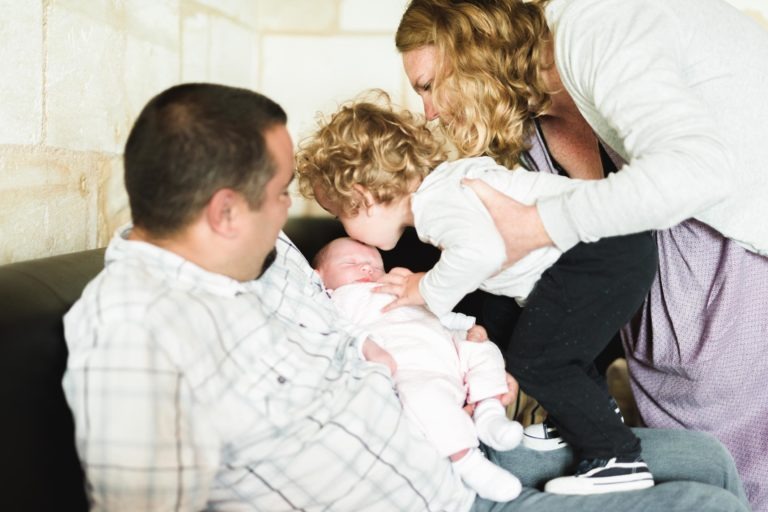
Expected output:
(193, 391)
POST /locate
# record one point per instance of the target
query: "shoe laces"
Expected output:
(586, 465)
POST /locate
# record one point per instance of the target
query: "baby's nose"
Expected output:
(367, 269)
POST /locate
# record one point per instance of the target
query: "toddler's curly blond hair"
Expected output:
(366, 142)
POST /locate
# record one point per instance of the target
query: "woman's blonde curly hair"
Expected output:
(366, 142)
(488, 82)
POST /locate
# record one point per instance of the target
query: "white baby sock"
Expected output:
(490, 481)
(494, 428)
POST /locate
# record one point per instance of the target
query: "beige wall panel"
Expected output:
(113, 209)
(47, 203)
(195, 46)
(216, 49)
(365, 15)
(324, 72)
(152, 53)
(21, 72)
(154, 21)
(86, 103)
(298, 15)
(233, 54)
(156, 68)
(242, 11)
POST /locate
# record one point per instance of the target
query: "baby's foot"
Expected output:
(490, 481)
(494, 428)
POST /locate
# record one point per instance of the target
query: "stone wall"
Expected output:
(75, 73)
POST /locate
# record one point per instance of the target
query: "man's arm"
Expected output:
(142, 441)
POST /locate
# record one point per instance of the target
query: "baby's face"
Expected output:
(348, 261)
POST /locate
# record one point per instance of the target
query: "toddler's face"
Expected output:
(379, 225)
(348, 261)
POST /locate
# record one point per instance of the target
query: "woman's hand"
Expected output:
(519, 225)
(404, 285)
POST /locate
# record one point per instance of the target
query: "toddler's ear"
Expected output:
(366, 198)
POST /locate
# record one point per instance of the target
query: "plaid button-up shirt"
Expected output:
(193, 391)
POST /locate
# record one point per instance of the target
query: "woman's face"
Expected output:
(420, 68)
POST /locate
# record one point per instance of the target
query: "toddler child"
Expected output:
(380, 170)
(436, 364)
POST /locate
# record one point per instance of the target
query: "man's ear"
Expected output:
(222, 212)
(366, 198)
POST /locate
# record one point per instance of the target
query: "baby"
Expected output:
(436, 365)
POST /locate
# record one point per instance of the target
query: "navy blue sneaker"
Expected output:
(544, 436)
(598, 476)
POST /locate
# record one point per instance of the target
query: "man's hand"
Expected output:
(511, 395)
(519, 225)
(477, 333)
(404, 285)
(373, 352)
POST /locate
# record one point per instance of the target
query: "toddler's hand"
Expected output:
(404, 285)
(373, 352)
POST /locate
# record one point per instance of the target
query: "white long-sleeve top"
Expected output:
(452, 218)
(677, 88)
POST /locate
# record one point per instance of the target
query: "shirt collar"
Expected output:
(169, 266)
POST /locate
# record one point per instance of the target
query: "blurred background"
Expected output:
(75, 73)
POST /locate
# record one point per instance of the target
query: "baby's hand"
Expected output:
(477, 333)
(373, 352)
(404, 285)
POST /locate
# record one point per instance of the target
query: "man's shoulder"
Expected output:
(123, 289)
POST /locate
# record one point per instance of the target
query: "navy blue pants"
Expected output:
(571, 315)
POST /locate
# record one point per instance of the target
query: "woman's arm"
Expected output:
(627, 68)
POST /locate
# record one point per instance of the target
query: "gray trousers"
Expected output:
(693, 472)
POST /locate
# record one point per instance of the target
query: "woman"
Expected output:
(671, 93)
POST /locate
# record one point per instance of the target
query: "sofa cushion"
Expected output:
(37, 431)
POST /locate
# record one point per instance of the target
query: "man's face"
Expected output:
(266, 222)
(347, 261)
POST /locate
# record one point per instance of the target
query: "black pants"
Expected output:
(571, 315)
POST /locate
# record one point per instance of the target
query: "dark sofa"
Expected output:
(41, 470)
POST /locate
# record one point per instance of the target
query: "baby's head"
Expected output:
(345, 261)
(365, 154)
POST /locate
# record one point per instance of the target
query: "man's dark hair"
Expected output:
(190, 141)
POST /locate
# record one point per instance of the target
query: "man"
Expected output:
(207, 367)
